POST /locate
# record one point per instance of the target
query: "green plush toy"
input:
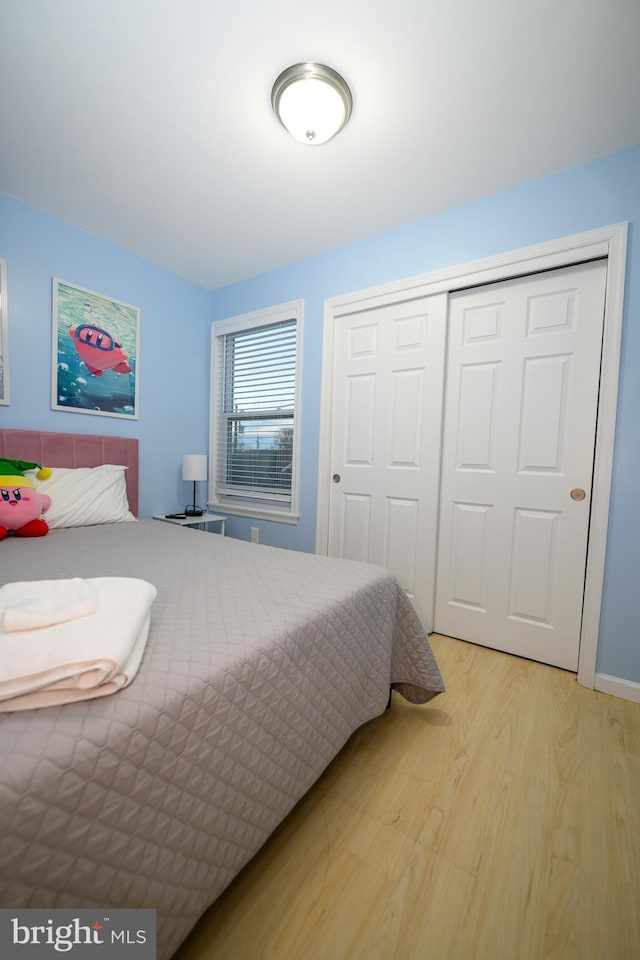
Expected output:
(14, 468)
(21, 506)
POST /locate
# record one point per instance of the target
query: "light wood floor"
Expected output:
(500, 822)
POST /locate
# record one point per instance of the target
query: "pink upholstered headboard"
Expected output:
(74, 450)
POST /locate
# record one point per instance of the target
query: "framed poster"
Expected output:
(4, 336)
(95, 353)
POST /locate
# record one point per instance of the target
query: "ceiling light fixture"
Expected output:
(312, 101)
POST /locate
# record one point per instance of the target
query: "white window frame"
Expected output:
(238, 504)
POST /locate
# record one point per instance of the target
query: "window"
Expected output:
(255, 364)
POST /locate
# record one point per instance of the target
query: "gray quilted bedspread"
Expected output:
(260, 664)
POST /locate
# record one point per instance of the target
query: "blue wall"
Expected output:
(175, 317)
(174, 345)
(603, 192)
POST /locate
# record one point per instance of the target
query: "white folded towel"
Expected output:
(28, 605)
(59, 693)
(82, 658)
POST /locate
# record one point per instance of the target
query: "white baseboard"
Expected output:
(626, 689)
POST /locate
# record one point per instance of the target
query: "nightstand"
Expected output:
(200, 522)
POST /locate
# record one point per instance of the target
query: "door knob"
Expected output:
(336, 478)
(578, 493)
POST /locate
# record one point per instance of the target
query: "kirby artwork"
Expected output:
(99, 350)
(95, 354)
(21, 506)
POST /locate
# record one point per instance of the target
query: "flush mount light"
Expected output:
(312, 101)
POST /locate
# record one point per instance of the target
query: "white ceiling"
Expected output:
(148, 122)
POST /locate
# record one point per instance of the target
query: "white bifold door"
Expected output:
(385, 444)
(462, 450)
(522, 378)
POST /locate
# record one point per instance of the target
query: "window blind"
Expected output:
(255, 412)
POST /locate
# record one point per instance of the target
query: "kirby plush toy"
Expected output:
(21, 506)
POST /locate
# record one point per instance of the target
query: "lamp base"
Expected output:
(193, 511)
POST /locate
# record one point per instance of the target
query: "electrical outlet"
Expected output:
(255, 535)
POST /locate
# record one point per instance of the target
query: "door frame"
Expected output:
(609, 242)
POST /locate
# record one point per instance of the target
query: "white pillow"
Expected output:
(85, 495)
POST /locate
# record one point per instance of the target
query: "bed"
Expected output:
(260, 663)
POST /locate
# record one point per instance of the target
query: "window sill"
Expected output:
(256, 511)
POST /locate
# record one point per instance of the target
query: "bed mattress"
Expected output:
(260, 664)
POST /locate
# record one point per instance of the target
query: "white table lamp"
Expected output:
(194, 468)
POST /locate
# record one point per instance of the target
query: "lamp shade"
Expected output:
(194, 466)
(312, 101)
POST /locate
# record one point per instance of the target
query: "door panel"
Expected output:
(401, 540)
(544, 413)
(469, 571)
(387, 403)
(534, 547)
(476, 416)
(354, 540)
(360, 414)
(519, 431)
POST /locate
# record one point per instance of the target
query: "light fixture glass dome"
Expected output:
(312, 101)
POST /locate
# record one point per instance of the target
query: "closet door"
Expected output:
(385, 444)
(522, 376)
